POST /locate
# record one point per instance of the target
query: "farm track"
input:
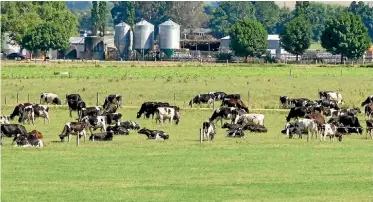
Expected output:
(183, 108)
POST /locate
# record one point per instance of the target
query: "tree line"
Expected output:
(44, 25)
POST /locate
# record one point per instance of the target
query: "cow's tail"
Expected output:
(191, 102)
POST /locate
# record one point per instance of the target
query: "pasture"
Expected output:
(260, 167)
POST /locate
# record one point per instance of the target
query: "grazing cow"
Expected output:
(330, 112)
(369, 110)
(131, 125)
(17, 110)
(350, 111)
(75, 97)
(369, 128)
(257, 119)
(332, 131)
(367, 101)
(299, 102)
(231, 102)
(110, 108)
(218, 95)
(291, 129)
(227, 113)
(90, 111)
(323, 95)
(10, 130)
(330, 95)
(27, 140)
(76, 128)
(118, 130)
(105, 136)
(49, 98)
(235, 133)
(75, 105)
(4, 119)
(296, 112)
(305, 126)
(113, 99)
(319, 119)
(328, 103)
(202, 99)
(163, 113)
(347, 123)
(208, 130)
(284, 101)
(154, 134)
(112, 117)
(95, 122)
(149, 108)
(31, 112)
(233, 96)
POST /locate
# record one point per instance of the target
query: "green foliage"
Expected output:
(44, 37)
(366, 14)
(248, 38)
(95, 18)
(267, 13)
(228, 13)
(346, 35)
(189, 14)
(302, 8)
(296, 36)
(285, 15)
(123, 11)
(102, 13)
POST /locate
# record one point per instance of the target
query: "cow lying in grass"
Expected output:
(32, 139)
(154, 134)
(105, 136)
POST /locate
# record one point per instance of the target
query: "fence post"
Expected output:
(290, 72)
(200, 135)
(97, 99)
(28, 97)
(5, 100)
(248, 99)
(17, 97)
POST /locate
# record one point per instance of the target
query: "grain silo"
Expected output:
(169, 37)
(122, 38)
(143, 36)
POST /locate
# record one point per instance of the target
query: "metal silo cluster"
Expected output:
(143, 37)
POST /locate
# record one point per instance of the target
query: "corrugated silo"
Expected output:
(122, 38)
(143, 36)
(169, 35)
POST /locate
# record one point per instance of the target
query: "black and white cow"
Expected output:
(49, 98)
(296, 112)
(218, 95)
(31, 112)
(90, 111)
(367, 101)
(255, 128)
(118, 130)
(202, 99)
(351, 111)
(231, 126)
(27, 140)
(131, 125)
(233, 96)
(18, 111)
(113, 117)
(10, 130)
(4, 119)
(76, 128)
(149, 108)
(369, 110)
(95, 122)
(235, 133)
(299, 102)
(332, 131)
(110, 108)
(105, 136)
(369, 128)
(227, 113)
(328, 103)
(163, 113)
(154, 134)
(347, 123)
(331, 95)
(284, 101)
(75, 97)
(113, 99)
(76, 105)
(208, 130)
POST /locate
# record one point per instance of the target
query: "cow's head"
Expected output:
(56, 101)
(20, 140)
(62, 137)
(177, 117)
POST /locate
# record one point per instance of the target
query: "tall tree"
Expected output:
(44, 37)
(228, 13)
(102, 16)
(301, 8)
(366, 14)
(94, 18)
(248, 38)
(123, 11)
(285, 16)
(346, 35)
(189, 14)
(296, 36)
(267, 13)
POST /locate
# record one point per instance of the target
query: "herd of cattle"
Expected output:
(312, 122)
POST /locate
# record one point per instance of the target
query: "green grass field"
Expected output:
(260, 167)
